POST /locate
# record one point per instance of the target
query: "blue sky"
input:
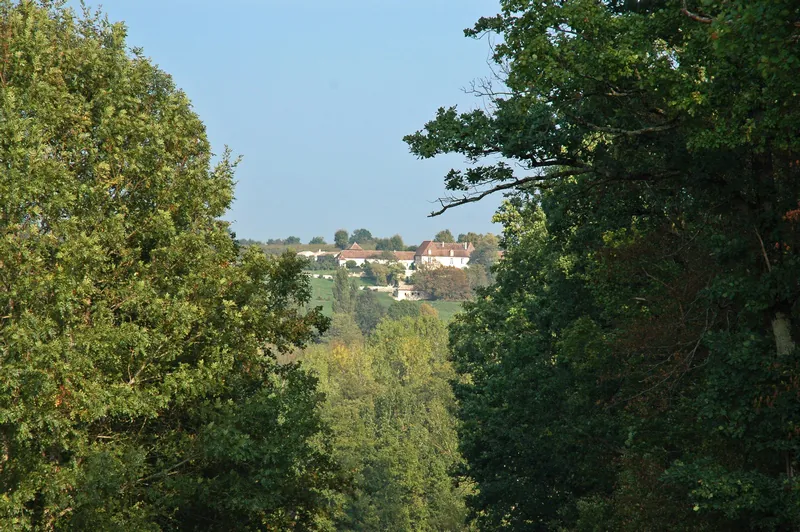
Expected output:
(316, 96)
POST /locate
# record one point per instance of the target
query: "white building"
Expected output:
(454, 255)
(410, 293)
(360, 256)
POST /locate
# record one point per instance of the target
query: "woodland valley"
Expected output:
(629, 362)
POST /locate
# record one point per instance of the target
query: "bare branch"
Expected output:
(626, 132)
(763, 250)
(694, 16)
(455, 202)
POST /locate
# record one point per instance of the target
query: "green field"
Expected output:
(322, 296)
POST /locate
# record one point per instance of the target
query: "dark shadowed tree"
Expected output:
(635, 366)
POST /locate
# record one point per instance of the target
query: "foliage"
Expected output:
(340, 238)
(486, 252)
(428, 310)
(402, 309)
(351, 265)
(292, 240)
(368, 311)
(444, 236)
(323, 262)
(138, 382)
(442, 282)
(477, 277)
(361, 236)
(317, 240)
(391, 410)
(344, 330)
(394, 243)
(345, 292)
(635, 363)
(377, 272)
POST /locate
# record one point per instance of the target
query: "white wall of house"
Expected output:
(453, 262)
(343, 262)
(412, 295)
(360, 262)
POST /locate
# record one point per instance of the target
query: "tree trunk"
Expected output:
(782, 330)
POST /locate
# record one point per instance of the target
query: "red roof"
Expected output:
(444, 249)
(359, 253)
(355, 246)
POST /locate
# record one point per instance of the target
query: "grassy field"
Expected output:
(322, 296)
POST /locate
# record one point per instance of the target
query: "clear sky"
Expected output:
(316, 95)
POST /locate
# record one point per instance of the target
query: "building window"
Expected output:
(451, 262)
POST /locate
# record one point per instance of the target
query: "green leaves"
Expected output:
(139, 384)
(641, 334)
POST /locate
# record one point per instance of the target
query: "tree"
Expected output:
(345, 292)
(486, 252)
(292, 240)
(444, 236)
(396, 273)
(377, 272)
(317, 240)
(138, 383)
(344, 330)
(425, 309)
(442, 282)
(340, 238)
(368, 311)
(323, 262)
(394, 243)
(351, 265)
(649, 298)
(361, 235)
(477, 277)
(402, 309)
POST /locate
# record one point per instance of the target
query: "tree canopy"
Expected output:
(635, 363)
(340, 238)
(361, 235)
(138, 383)
(444, 236)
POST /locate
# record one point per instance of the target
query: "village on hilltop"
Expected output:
(427, 254)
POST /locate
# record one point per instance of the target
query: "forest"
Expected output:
(630, 363)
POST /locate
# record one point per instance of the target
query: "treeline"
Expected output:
(364, 238)
(635, 365)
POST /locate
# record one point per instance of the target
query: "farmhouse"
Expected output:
(359, 255)
(315, 255)
(455, 255)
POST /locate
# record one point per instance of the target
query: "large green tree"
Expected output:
(640, 368)
(444, 236)
(340, 238)
(138, 382)
(361, 235)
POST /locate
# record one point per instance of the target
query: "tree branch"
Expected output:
(455, 202)
(694, 16)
